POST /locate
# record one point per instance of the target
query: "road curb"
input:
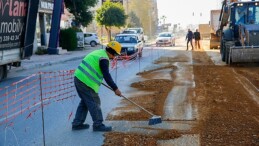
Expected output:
(44, 64)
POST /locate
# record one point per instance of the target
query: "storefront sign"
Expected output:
(13, 21)
(46, 5)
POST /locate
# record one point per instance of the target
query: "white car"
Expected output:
(130, 44)
(91, 39)
(165, 38)
(139, 31)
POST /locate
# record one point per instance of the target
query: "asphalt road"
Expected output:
(26, 127)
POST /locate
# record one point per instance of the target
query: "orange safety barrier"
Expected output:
(33, 93)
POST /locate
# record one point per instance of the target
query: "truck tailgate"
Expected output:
(8, 56)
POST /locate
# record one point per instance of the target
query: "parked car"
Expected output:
(91, 39)
(126, 31)
(130, 44)
(165, 38)
(139, 31)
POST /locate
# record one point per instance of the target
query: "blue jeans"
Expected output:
(90, 101)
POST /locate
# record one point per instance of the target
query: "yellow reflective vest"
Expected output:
(89, 71)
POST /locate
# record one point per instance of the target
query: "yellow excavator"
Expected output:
(239, 31)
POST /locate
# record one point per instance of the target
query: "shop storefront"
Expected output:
(44, 22)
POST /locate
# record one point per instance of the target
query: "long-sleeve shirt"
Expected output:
(197, 35)
(189, 35)
(104, 65)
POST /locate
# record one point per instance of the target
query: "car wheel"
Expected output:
(93, 43)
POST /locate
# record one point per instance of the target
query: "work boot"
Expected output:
(80, 127)
(102, 128)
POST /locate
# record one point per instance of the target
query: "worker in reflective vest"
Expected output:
(88, 79)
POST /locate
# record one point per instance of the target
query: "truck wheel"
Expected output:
(227, 51)
(226, 55)
(3, 72)
(222, 50)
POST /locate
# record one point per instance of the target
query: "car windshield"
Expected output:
(129, 32)
(136, 29)
(126, 39)
(164, 35)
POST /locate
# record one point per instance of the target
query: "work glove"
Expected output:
(117, 92)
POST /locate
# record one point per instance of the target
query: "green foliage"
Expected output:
(68, 39)
(76, 29)
(134, 20)
(41, 50)
(80, 9)
(111, 14)
(144, 12)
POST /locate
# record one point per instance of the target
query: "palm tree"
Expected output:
(163, 19)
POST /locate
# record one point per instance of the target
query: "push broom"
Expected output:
(153, 120)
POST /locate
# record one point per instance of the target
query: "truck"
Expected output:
(239, 31)
(204, 31)
(214, 25)
(17, 29)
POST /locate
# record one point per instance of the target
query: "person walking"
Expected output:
(197, 37)
(87, 79)
(189, 38)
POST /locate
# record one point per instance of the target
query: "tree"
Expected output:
(80, 9)
(163, 18)
(109, 15)
(144, 11)
(134, 21)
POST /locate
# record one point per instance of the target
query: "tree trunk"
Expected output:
(108, 29)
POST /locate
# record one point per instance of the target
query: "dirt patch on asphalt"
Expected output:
(136, 139)
(153, 102)
(227, 113)
(251, 73)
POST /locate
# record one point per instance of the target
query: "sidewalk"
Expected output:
(37, 61)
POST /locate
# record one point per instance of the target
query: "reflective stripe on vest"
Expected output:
(87, 74)
(91, 69)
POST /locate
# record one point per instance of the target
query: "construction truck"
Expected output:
(239, 31)
(17, 29)
(204, 31)
(214, 26)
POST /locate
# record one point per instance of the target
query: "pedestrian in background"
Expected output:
(189, 38)
(88, 78)
(197, 37)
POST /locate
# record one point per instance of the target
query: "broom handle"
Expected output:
(131, 101)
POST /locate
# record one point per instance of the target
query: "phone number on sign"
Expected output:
(9, 38)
